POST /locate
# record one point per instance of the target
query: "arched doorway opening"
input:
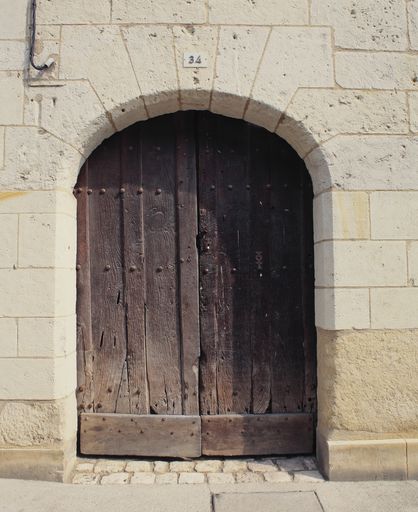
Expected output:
(195, 300)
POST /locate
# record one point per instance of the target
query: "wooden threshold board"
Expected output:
(267, 434)
(135, 435)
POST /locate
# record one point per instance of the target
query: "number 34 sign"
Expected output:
(195, 60)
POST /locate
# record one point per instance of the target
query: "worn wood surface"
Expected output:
(257, 434)
(131, 435)
(195, 277)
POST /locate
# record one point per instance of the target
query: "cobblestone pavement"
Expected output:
(212, 471)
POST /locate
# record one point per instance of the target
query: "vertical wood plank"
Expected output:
(134, 270)
(188, 278)
(85, 374)
(262, 307)
(158, 157)
(108, 311)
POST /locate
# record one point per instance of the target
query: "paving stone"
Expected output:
(191, 478)
(249, 478)
(109, 466)
(161, 467)
(310, 463)
(309, 476)
(209, 466)
(143, 478)
(115, 478)
(235, 466)
(167, 478)
(182, 467)
(86, 478)
(271, 502)
(294, 464)
(85, 467)
(220, 478)
(262, 466)
(139, 466)
(280, 476)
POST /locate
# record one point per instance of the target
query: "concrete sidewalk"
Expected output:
(24, 496)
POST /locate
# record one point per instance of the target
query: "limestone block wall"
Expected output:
(337, 79)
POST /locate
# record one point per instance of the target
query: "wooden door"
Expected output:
(195, 292)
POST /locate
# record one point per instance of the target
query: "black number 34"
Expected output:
(195, 59)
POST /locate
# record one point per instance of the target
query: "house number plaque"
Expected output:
(195, 60)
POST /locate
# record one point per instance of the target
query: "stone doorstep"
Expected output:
(213, 471)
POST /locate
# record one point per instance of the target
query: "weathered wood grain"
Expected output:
(143, 436)
(265, 434)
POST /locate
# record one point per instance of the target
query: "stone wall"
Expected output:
(337, 79)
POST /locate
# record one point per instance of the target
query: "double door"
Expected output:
(195, 292)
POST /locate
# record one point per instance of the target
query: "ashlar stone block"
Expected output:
(394, 215)
(13, 54)
(239, 54)
(47, 337)
(57, 12)
(267, 12)
(35, 159)
(163, 11)
(16, 15)
(9, 233)
(413, 23)
(366, 25)
(377, 70)
(380, 163)
(8, 337)
(394, 308)
(11, 98)
(342, 308)
(294, 57)
(316, 115)
(341, 215)
(360, 264)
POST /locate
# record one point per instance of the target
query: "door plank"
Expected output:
(137, 435)
(265, 434)
(85, 373)
(158, 160)
(134, 271)
(188, 276)
(108, 312)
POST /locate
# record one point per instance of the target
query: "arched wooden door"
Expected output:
(195, 292)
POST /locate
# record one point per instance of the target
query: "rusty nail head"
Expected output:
(248, 187)
(78, 267)
(81, 389)
(99, 405)
(89, 406)
(79, 190)
(109, 389)
(140, 190)
(230, 187)
(132, 268)
(102, 190)
(158, 191)
(89, 191)
(206, 271)
(234, 270)
(181, 260)
(159, 269)
(212, 187)
(107, 268)
(122, 190)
